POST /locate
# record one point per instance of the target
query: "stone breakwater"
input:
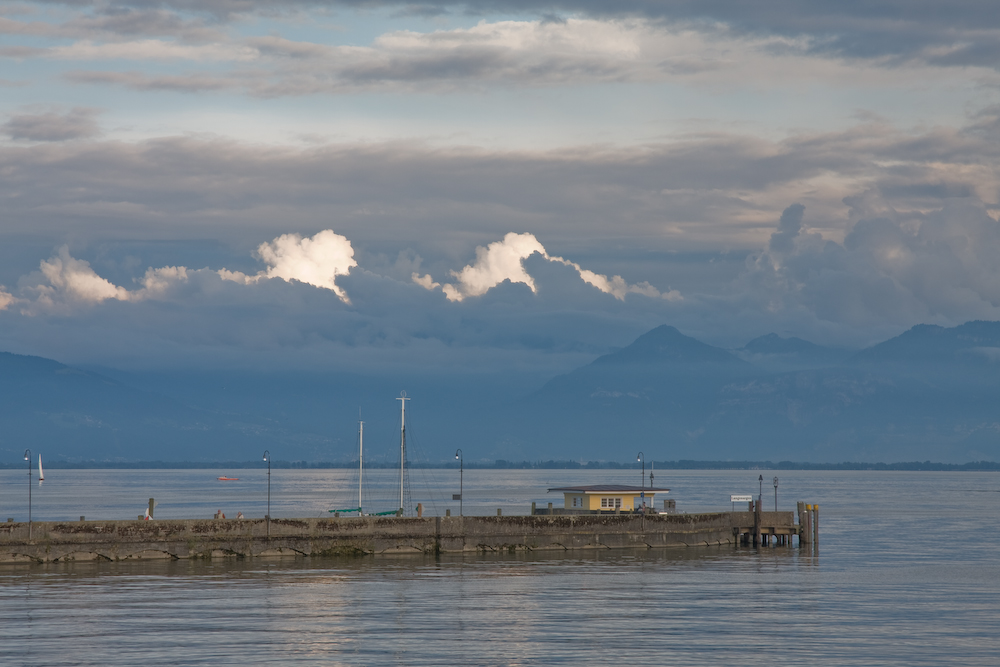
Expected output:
(61, 541)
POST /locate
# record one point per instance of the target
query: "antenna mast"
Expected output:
(361, 458)
(402, 444)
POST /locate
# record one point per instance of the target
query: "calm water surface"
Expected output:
(906, 574)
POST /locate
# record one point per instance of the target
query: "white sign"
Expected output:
(740, 499)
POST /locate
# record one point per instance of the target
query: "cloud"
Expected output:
(503, 260)
(117, 24)
(78, 123)
(158, 282)
(149, 49)
(120, 22)
(64, 281)
(510, 53)
(315, 261)
(181, 83)
(966, 34)
(895, 267)
(73, 279)
(520, 53)
(715, 191)
(497, 262)
(6, 299)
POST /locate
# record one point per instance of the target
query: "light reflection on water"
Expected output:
(906, 574)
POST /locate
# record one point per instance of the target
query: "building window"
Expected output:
(611, 503)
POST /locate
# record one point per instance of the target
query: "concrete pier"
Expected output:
(60, 541)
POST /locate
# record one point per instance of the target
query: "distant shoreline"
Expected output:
(929, 466)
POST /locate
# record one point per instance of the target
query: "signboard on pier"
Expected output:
(740, 499)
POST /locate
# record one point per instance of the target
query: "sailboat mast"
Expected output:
(361, 460)
(402, 443)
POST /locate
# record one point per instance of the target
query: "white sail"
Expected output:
(41, 475)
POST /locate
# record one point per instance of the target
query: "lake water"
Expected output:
(906, 573)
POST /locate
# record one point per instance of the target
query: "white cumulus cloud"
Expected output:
(64, 280)
(76, 280)
(497, 262)
(316, 261)
(504, 260)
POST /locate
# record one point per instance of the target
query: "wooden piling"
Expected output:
(756, 523)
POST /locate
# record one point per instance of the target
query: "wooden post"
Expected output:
(756, 524)
(447, 512)
(499, 512)
(420, 510)
(152, 504)
(815, 524)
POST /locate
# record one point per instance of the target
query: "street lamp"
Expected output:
(27, 457)
(267, 457)
(461, 464)
(775, 494)
(642, 479)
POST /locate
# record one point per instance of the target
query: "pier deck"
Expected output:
(61, 541)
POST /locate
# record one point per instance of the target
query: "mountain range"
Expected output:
(931, 393)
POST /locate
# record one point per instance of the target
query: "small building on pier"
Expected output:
(608, 497)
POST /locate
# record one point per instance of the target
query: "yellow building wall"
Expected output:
(592, 501)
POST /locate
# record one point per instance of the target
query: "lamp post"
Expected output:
(642, 478)
(775, 494)
(267, 457)
(27, 457)
(461, 464)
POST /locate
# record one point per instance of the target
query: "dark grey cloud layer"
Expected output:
(959, 33)
(690, 194)
(78, 123)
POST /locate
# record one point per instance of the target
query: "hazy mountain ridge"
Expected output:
(776, 354)
(77, 414)
(912, 397)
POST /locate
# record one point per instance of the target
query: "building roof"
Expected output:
(609, 488)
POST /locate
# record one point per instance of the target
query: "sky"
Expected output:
(473, 187)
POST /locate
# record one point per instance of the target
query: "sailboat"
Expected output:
(403, 490)
(361, 470)
(41, 475)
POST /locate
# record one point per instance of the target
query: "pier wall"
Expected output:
(60, 541)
